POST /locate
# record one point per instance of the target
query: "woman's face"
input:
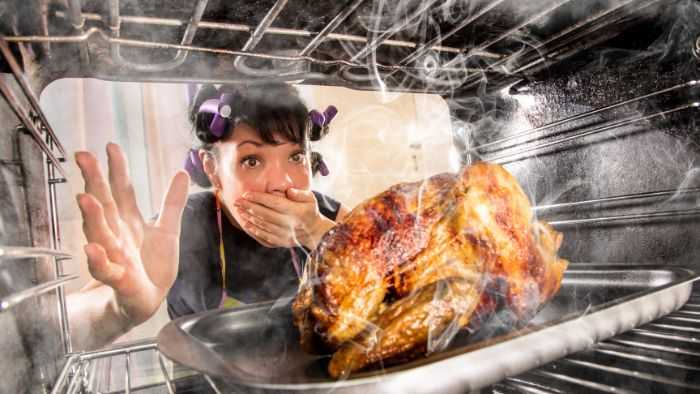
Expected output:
(246, 163)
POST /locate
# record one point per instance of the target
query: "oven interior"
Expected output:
(591, 104)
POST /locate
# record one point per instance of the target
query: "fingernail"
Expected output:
(79, 197)
(78, 157)
(247, 195)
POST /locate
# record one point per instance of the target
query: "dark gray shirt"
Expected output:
(254, 273)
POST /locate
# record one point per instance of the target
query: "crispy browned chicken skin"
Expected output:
(410, 266)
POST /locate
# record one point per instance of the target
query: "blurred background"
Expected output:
(376, 140)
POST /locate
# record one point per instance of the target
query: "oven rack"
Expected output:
(429, 65)
(566, 42)
(530, 135)
(9, 253)
(34, 122)
(662, 356)
(525, 144)
(81, 372)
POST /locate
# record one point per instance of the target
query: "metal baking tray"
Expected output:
(256, 348)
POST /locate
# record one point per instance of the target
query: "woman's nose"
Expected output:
(279, 180)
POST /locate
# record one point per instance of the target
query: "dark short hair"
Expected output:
(271, 109)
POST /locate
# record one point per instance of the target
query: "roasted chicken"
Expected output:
(410, 267)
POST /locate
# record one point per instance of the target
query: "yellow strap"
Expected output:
(230, 302)
(222, 254)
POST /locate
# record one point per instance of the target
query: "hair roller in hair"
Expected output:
(321, 121)
(221, 109)
(318, 165)
(195, 168)
(323, 168)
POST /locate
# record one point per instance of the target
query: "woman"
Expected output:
(242, 242)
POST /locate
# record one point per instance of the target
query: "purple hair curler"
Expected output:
(323, 119)
(330, 113)
(192, 163)
(221, 108)
(323, 168)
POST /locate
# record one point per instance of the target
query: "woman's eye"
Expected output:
(250, 162)
(298, 157)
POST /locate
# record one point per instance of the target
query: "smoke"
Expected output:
(440, 335)
(691, 181)
(477, 79)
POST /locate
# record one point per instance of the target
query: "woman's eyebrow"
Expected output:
(256, 143)
(261, 144)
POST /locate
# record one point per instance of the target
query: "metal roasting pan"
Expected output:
(256, 349)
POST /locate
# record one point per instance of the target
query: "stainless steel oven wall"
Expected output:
(656, 155)
(657, 150)
(30, 346)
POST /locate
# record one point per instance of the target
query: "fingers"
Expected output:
(262, 212)
(270, 233)
(267, 236)
(174, 203)
(299, 195)
(122, 189)
(271, 201)
(263, 224)
(96, 185)
(96, 228)
(100, 267)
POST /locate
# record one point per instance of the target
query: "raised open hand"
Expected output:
(139, 260)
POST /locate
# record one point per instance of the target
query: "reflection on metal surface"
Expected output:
(19, 252)
(572, 43)
(427, 47)
(507, 34)
(631, 373)
(654, 215)
(255, 38)
(65, 371)
(75, 383)
(13, 299)
(527, 151)
(622, 198)
(77, 20)
(127, 373)
(211, 383)
(544, 379)
(330, 27)
(378, 39)
(29, 94)
(276, 31)
(176, 61)
(25, 116)
(168, 383)
(117, 351)
(596, 111)
(155, 45)
(590, 306)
